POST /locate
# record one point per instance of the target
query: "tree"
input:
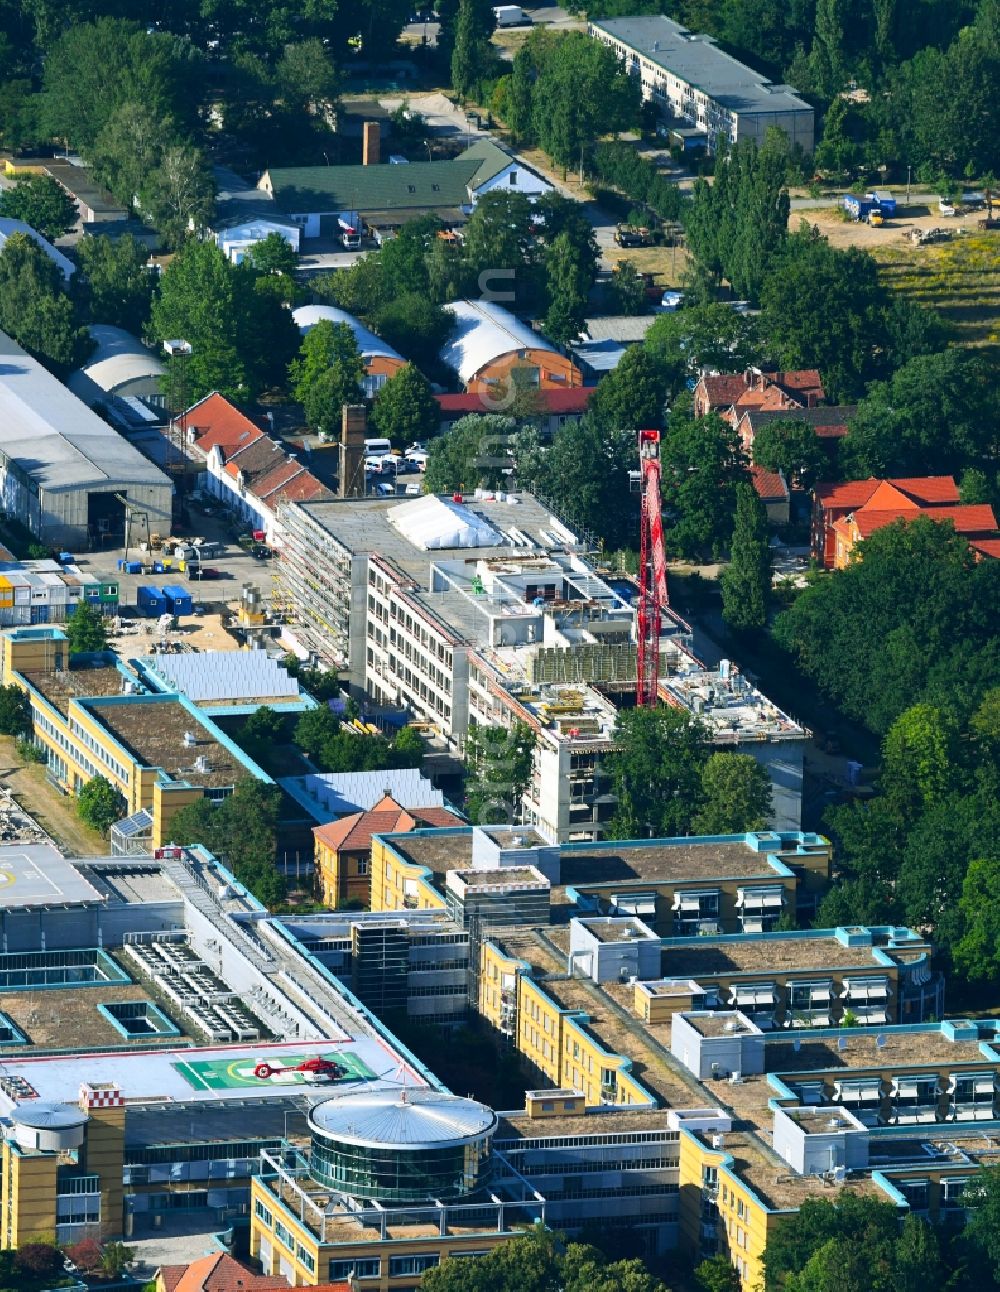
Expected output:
(39, 1260)
(737, 795)
(519, 98)
(690, 340)
(263, 729)
(39, 201)
(416, 326)
(15, 711)
(240, 339)
(114, 282)
(977, 953)
(793, 448)
(499, 246)
(568, 283)
(86, 630)
(855, 1221)
(35, 309)
(99, 804)
(737, 225)
(179, 195)
(307, 79)
(405, 408)
(328, 373)
(473, 55)
(826, 309)
(314, 729)
(656, 772)
(85, 1255)
(702, 467)
(273, 255)
(909, 618)
(628, 290)
(242, 831)
(717, 1274)
(498, 765)
(746, 580)
(632, 396)
(128, 150)
(920, 760)
(982, 1228)
(934, 416)
(94, 67)
(473, 452)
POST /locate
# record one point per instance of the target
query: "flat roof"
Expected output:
(153, 732)
(885, 1049)
(765, 953)
(39, 875)
(722, 1023)
(363, 526)
(55, 439)
(225, 675)
(62, 685)
(607, 1120)
(771, 1179)
(606, 863)
(203, 1074)
(67, 1018)
(438, 850)
(697, 60)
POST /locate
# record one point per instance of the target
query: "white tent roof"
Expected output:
(307, 316)
(433, 523)
(483, 332)
(119, 358)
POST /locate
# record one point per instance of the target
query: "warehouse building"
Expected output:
(64, 473)
(689, 78)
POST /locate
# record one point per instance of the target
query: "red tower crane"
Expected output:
(652, 572)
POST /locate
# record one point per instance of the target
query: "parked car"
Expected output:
(202, 572)
(671, 301)
(417, 458)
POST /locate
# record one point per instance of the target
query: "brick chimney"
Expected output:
(353, 426)
(371, 144)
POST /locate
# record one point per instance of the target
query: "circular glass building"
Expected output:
(401, 1145)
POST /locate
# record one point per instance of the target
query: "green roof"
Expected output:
(416, 186)
(491, 158)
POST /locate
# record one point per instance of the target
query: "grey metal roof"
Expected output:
(307, 316)
(119, 358)
(483, 332)
(225, 675)
(9, 227)
(599, 356)
(48, 1116)
(619, 327)
(403, 1119)
(55, 439)
(328, 795)
(697, 60)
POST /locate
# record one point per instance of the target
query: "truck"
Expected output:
(857, 207)
(350, 226)
(885, 202)
(628, 235)
(509, 15)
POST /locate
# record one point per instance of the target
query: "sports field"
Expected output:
(237, 1074)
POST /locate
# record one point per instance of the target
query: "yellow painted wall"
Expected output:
(27, 1197)
(392, 877)
(338, 876)
(742, 1224)
(104, 1155)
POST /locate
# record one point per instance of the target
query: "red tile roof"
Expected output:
(303, 488)
(282, 474)
(971, 519)
(987, 547)
(574, 399)
(724, 388)
(214, 421)
(354, 833)
(806, 381)
(219, 1272)
(853, 493)
(928, 489)
(770, 485)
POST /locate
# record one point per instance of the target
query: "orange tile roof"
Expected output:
(214, 421)
(972, 519)
(928, 489)
(770, 485)
(724, 388)
(853, 493)
(282, 474)
(219, 1272)
(987, 547)
(887, 498)
(354, 833)
(303, 488)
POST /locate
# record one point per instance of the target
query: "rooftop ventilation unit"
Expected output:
(190, 739)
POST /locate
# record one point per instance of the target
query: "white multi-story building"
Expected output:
(689, 78)
(486, 611)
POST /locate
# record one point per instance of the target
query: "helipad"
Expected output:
(38, 875)
(195, 1074)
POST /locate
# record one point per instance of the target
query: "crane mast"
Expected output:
(652, 572)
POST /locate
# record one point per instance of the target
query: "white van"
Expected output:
(376, 448)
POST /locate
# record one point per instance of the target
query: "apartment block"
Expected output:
(689, 78)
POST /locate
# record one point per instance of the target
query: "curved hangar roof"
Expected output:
(403, 1119)
(118, 358)
(370, 345)
(485, 332)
